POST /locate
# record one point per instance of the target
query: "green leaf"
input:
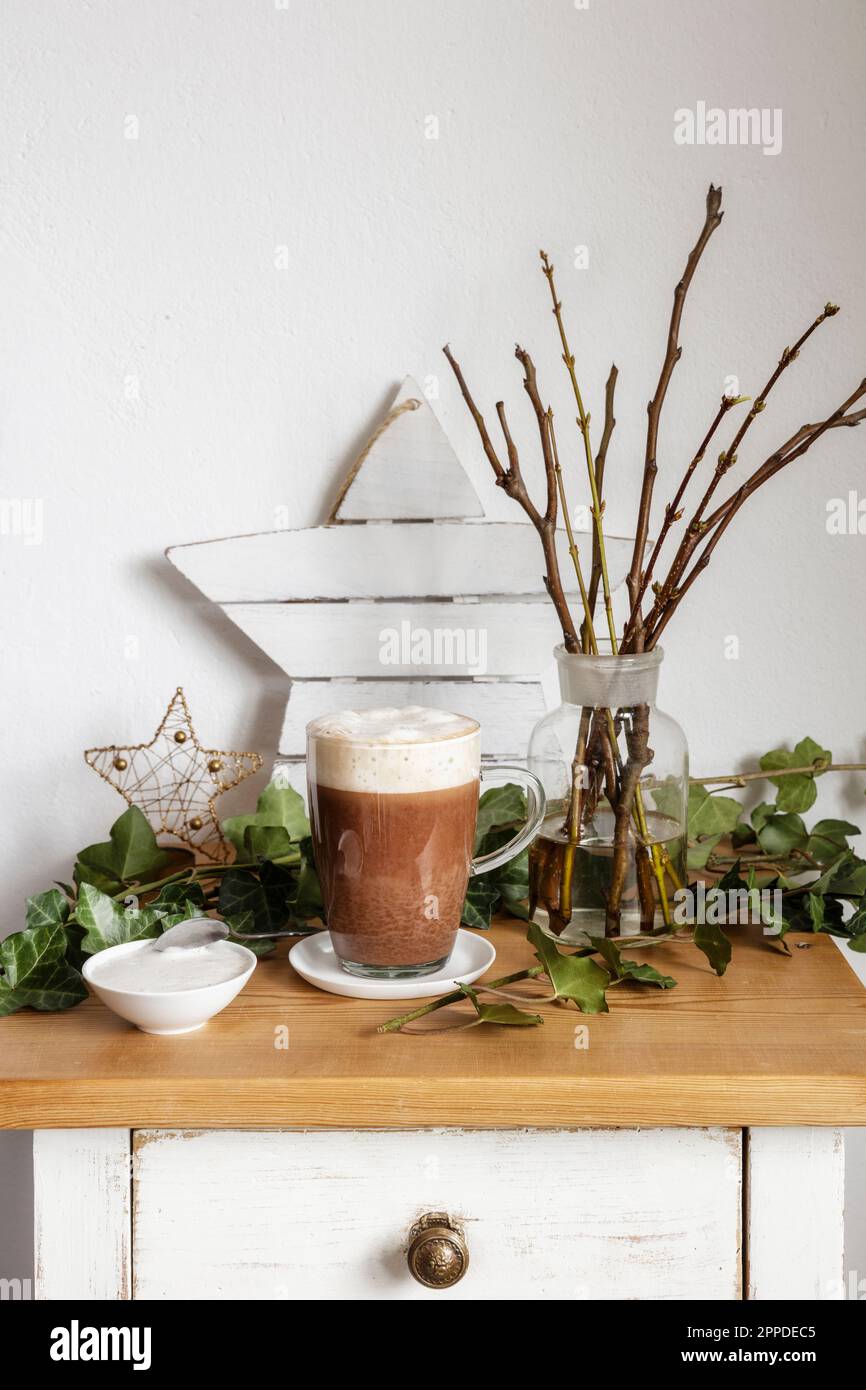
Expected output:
(25, 954)
(130, 855)
(709, 814)
(762, 814)
(797, 792)
(850, 880)
(173, 896)
(268, 896)
(743, 834)
(506, 886)
(698, 854)
(808, 751)
(277, 807)
(858, 943)
(711, 940)
(306, 902)
(106, 923)
(668, 799)
(479, 903)
(240, 925)
(576, 977)
(57, 987)
(49, 909)
(499, 806)
(506, 1014)
(270, 842)
(856, 924)
(828, 837)
(623, 969)
(36, 973)
(780, 834)
(824, 881)
(182, 912)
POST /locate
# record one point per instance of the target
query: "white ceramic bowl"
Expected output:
(169, 1011)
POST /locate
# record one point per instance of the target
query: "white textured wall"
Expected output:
(149, 264)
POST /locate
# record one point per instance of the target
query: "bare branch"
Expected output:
(698, 526)
(530, 386)
(477, 416)
(807, 435)
(600, 461)
(673, 513)
(510, 479)
(673, 352)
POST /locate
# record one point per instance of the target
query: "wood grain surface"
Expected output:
(776, 1042)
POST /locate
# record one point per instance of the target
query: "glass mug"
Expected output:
(393, 798)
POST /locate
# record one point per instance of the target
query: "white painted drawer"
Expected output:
(619, 1214)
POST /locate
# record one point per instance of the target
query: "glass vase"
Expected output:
(611, 852)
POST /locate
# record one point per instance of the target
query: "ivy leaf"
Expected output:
(576, 977)
(106, 923)
(850, 880)
(479, 903)
(668, 799)
(497, 807)
(270, 842)
(57, 987)
(781, 834)
(831, 872)
(307, 900)
(743, 834)
(828, 837)
(711, 940)
(798, 791)
(130, 855)
(808, 751)
(762, 814)
(182, 912)
(709, 814)
(173, 896)
(240, 926)
(50, 909)
(507, 886)
(815, 909)
(507, 1014)
(698, 854)
(858, 943)
(268, 896)
(813, 912)
(36, 973)
(856, 925)
(622, 969)
(25, 954)
(277, 806)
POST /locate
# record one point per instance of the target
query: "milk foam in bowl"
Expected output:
(171, 991)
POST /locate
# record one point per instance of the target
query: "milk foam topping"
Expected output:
(413, 749)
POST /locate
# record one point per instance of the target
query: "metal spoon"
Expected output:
(197, 931)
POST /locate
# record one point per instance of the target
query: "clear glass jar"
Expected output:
(611, 852)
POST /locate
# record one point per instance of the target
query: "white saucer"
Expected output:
(314, 959)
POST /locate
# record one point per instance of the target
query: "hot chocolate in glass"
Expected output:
(393, 797)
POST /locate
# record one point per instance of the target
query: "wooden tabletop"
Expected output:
(777, 1041)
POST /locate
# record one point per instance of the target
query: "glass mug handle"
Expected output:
(535, 807)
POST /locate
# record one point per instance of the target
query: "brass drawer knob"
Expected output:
(438, 1255)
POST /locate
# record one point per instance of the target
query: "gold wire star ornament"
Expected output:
(175, 781)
